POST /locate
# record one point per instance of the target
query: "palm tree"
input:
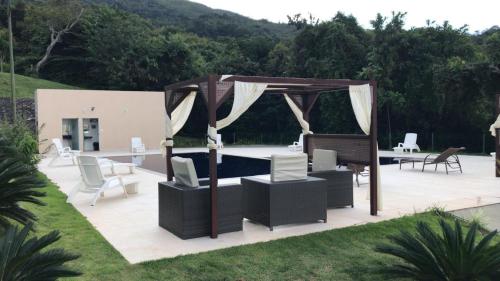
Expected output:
(18, 183)
(22, 258)
(427, 255)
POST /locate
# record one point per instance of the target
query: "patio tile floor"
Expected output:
(131, 224)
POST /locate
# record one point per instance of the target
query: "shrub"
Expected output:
(18, 139)
(22, 258)
(451, 256)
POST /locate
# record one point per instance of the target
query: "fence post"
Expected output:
(484, 143)
(432, 141)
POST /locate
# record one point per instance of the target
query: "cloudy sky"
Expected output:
(478, 14)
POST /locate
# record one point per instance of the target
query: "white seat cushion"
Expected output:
(324, 160)
(184, 172)
(288, 167)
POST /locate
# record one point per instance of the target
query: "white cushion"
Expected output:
(288, 167)
(184, 172)
(324, 160)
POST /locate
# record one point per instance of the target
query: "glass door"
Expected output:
(90, 134)
(70, 135)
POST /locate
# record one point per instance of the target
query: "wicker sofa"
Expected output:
(184, 205)
(288, 196)
(339, 188)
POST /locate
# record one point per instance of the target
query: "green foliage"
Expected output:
(18, 183)
(26, 86)
(22, 139)
(432, 79)
(19, 137)
(450, 256)
(199, 19)
(24, 258)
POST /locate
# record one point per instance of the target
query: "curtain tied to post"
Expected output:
(211, 137)
(298, 114)
(245, 94)
(495, 126)
(361, 100)
(178, 120)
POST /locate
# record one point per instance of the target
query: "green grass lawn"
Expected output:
(26, 86)
(341, 254)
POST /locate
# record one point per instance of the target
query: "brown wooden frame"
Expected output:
(497, 140)
(303, 91)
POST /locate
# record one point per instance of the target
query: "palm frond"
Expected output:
(445, 255)
(22, 259)
(18, 183)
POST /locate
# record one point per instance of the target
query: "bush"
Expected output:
(18, 141)
(449, 256)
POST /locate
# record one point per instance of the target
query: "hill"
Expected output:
(198, 18)
(26, 86)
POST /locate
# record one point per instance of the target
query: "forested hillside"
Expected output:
(198, 18)
(436, 79)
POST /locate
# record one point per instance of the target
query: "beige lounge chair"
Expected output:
(448, 157)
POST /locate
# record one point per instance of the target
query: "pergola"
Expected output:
(304, 92)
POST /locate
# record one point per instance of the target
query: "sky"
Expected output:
(477, 14)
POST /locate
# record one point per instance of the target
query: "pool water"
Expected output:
(228, 166)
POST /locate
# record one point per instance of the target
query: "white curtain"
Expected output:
(245, 94)
(179, 118)
(495, 126)
(361, 100)
(298, 114)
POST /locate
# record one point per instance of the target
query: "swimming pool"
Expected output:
(228, 166)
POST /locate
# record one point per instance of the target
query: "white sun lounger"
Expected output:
(95, 183)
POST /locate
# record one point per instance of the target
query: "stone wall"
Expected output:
(25, 109)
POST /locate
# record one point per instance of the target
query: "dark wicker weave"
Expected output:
(278, 203)
(185, 211)
(349, 148)
(339, 191)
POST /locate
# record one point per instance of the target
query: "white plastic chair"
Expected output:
(137, 145)
(63, 152)
(112, 165)
(297, 145)
(94, 182)
(220, 144)
(410, 143)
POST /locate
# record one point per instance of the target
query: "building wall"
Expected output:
(122, 115)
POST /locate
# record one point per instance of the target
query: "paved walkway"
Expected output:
(131, 224)
(488, 215)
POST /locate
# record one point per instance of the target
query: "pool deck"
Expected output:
(131, 224)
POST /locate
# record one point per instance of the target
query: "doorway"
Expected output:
(90, 134)
(70, 136)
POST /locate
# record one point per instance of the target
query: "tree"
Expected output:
(57, 17)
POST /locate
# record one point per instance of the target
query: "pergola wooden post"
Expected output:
(304, 92)
(168, 110)
(497, 140)
(212, 121)
(373, 152)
